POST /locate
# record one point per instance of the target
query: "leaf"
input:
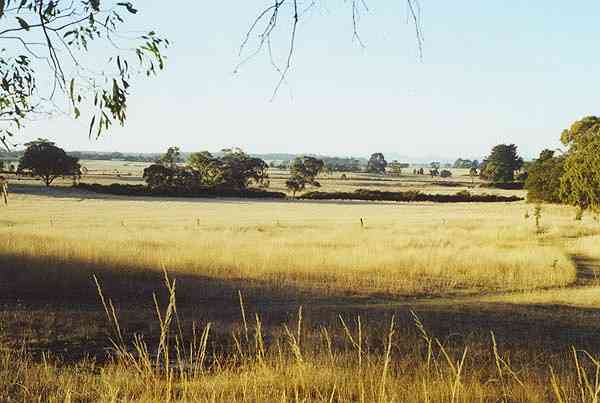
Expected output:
(72, 90)
(129, 7)
(92, 125)
(23, 23)
(77, 113)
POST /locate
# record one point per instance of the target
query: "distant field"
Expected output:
(106, 172)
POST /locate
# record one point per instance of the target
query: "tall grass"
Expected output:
(348, 362)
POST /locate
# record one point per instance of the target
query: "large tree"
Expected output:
(239, 169)
(43, 60)
(580, 183)
(502, 163)
(307, 168)
(544, 177)
(377, 163)
(207, 166)
(47, 161)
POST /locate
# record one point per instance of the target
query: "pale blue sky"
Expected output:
(501, 71)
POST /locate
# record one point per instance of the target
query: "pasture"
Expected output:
(295, 301)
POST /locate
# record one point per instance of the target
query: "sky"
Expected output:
(491, 72)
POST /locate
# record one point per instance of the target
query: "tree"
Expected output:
(446, 173)
(45, 41)
(239, 169)
(501, 164)
(295, 184)
(158, 176)
(307, 168)
(377, 164)
(544, 178)
(171, 158)
(47, 161)
(207, 167)
(580, 183)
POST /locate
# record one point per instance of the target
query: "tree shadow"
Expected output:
(56, 307)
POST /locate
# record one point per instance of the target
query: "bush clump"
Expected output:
(409, 196)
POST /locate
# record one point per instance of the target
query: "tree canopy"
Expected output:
(43, 59)
(377, 163)
(580, 183)
(502, 163)
(544, 178)
(48, 162)
(307, 168)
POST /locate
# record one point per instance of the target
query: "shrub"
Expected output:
(446, 173)
(409, 196)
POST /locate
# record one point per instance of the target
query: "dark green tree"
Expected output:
(544, 178)
(46, 42)
(580, 183)
(159, 176)
(445, 173)
(239, 169)
(376, 164)
(47, 161)
(501, 164)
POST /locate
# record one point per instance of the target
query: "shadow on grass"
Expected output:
(55, 306)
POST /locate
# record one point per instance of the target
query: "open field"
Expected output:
(465, 269)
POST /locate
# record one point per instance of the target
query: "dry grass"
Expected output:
(350, 362)
(403, 250)
(51, 243)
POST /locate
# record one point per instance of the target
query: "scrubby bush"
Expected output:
(409, 196)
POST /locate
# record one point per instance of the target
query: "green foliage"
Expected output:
(171, 158)
(295, 184)
(239, 169)
(207, 167)
(544, 178)
(47, 161)
(445, 173)
(377, 164)
(61, 33)
(234, 170)
(580, 183)
(159, 176)
(338, 164)
(307, 169)
(465, 164)
(501, 164)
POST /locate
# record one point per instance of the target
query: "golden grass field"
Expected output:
(327, 312)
